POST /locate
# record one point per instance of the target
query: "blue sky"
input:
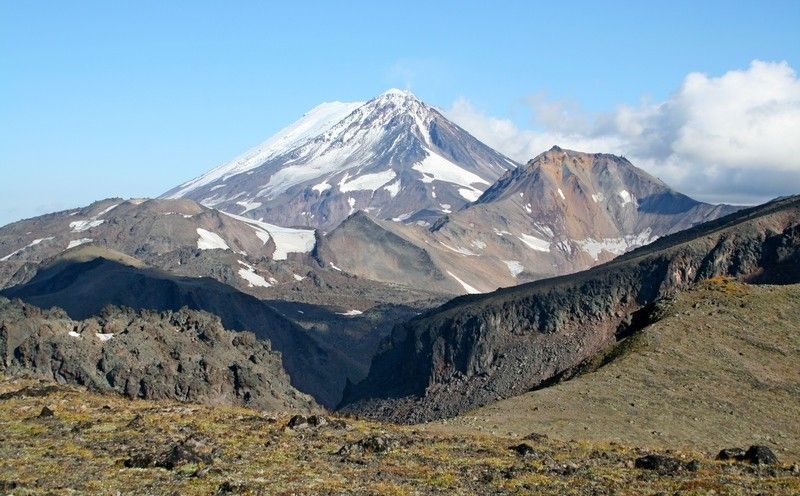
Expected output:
(102, 99)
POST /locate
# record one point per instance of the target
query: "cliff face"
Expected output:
(481, 348)
(184, 355)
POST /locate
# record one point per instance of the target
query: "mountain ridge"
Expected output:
(476, 349)
(563, 212)
(393, 155)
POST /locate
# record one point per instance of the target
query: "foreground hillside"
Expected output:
(64, 440)
(720, 368)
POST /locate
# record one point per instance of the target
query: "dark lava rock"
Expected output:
(6, 485)
(317, 421)
(569, 468)
(152, 355)
(536, 437)
(297, 422)
(337, 424)
(510, 472)
(369, 444)
(46, 413)
(664, 465)
(760, 455)
(731, 454)
(80, 426)
(229, 487)
(191, 450)
(140, 460)
(523, 449)
(29, 392)
(756, 454)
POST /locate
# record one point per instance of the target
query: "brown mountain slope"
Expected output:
(481, 348)
(266, 261)
(563, 212)
(719, 369)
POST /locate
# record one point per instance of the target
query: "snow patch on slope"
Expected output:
(459, 250)
(369, 182)
(534, 243)
(469, 289)
(78, 242)
(626, 197)
(248, 273)
(393, 188)
(470, 194)
(434, 167)
(616, 246)
(514, 267)
(248, 205)
(32, 243)
(107, 210)
(210, 240)
(350, 313)
(84, 225)
(287, 240)
(322, 187)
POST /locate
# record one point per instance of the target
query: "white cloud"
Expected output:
(733, 138)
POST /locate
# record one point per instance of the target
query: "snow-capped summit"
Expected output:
(393, 156)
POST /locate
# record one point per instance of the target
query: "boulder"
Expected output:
(523, 449)
(731, 454)
(665, 465)
(760, 455)
(369, 444)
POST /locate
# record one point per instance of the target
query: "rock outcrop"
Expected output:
(184, 355)
(83, 287)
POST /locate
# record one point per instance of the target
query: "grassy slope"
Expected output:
(82, 449)
(721, 369)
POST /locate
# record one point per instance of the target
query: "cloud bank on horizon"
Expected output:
(733, 138)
